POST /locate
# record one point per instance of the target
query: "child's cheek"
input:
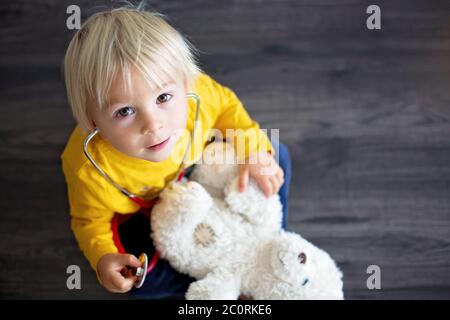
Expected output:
(180, 117)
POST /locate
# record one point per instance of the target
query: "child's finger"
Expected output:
(117, 281)
(243, 178)
(128, 283)
(275, 184)
(122, 284)
(266, 185)
(130, 260)
(280, 177)
(272, 183)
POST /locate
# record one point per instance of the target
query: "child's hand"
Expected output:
(115, 273)
(265, 170)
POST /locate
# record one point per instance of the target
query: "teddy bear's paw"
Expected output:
(243, 202)
(204, 235)
(251, 203)
(215, 286)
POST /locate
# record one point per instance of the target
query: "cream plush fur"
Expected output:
(232, 242)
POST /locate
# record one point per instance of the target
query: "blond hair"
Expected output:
(110, 43)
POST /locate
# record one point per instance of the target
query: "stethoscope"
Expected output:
(147, 266)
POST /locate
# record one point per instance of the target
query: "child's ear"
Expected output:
(90, 117)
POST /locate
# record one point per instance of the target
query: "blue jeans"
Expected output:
(164, 281)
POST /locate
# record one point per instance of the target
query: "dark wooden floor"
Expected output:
(365, 114)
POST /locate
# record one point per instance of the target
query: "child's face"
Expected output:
(135, 122)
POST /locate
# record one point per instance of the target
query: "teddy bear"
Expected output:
(232, 241)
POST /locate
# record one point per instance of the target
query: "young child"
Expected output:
(127, 73)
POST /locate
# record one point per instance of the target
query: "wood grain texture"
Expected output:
(365, 114)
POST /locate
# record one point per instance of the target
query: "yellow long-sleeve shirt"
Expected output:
(93, 201)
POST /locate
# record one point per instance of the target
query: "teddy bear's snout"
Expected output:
(290, 259)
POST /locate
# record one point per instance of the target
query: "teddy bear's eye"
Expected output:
(302, 258)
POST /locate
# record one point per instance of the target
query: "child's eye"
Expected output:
(165, 97)
(124, 112)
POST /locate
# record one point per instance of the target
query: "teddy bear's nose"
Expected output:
(302, 258)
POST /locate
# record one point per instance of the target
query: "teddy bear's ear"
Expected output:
(214, 139)
(218, 153)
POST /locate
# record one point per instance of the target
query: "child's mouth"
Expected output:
(159, 146)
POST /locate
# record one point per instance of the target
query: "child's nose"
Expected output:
(151, 124)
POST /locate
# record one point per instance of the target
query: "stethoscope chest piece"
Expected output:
(141, 272)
